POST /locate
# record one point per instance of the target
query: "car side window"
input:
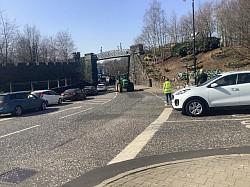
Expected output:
(52, 93)
(227, 80)
(21, 96)
(244, 78)
(12, 96)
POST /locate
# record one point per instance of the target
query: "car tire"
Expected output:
(18, 111)
(78, 98)
(195, 107)
(60, 101)
(43, 106)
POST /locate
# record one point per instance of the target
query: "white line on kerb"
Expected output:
(76, 113)
(19, 131)
(142, 139)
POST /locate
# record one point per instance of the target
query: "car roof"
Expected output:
(8, 93)
(234, 72)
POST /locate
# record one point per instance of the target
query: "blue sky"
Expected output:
(92, 23)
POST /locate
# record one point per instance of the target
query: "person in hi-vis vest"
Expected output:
(167, 89)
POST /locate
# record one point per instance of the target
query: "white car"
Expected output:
(224, 90)
(49, 96)
(101, 87)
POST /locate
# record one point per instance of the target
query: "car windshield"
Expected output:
(209, 80)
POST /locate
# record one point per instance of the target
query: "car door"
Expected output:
(53, 97)
(226, 93)
(244, 88)
(79, 92)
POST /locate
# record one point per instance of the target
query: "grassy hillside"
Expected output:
(225, 59)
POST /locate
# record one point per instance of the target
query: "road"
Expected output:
(52, 147)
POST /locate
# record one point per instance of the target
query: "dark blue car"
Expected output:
(17, 102)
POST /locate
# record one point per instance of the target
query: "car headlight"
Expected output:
(181, 92)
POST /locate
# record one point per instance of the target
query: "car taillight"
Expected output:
(2, 103)
(62, 94)
(73, 93)
(41, 94)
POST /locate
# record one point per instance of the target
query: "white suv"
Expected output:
(223, 90)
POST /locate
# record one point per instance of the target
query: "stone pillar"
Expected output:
(90, 74)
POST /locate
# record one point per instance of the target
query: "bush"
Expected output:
(207, 44)
(202, 45)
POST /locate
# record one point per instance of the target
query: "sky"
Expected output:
(92, 23)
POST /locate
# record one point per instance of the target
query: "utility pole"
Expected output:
(194, 59)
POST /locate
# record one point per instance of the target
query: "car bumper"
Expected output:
(69, 98)
(4, 110)
(177, 102)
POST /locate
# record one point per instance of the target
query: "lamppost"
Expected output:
(195, 82)
(194, 59)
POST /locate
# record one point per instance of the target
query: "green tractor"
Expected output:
(123, 82)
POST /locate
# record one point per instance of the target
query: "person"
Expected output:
(202, 77)
(167, 89)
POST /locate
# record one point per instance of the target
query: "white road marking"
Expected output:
(76, 113)
(245, 122)
(241, 115)
(207, 120)
(19, 131)
(4, 119)
(142, 139)
(248, 126)
(65, 110)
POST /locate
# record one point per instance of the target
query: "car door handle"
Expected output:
(235, 89)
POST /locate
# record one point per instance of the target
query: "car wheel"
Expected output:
(43, 106)
(18, 111)
(195, 108)
(60, 101)
(78, 98)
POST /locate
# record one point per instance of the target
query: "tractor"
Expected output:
(123, 82)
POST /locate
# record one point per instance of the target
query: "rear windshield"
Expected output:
(37, 94)
(2, 97)
(70, 90)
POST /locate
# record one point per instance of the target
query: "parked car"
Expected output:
(49, 96)
(16, 102)
(228, 89)
(73, 94)
(90, 90)
(101, 87)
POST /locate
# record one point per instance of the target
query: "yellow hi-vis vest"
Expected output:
(167, 87)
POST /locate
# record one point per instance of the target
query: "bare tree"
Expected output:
(154, 30)
(205, 20)
(173, 29)
(64, 45)
(8, 31)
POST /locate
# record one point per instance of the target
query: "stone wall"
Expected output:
(41, 72)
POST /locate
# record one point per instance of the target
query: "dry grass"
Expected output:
(174, 65)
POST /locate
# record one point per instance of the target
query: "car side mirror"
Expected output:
(213, 85)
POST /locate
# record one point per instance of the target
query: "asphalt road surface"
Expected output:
(53, 147)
